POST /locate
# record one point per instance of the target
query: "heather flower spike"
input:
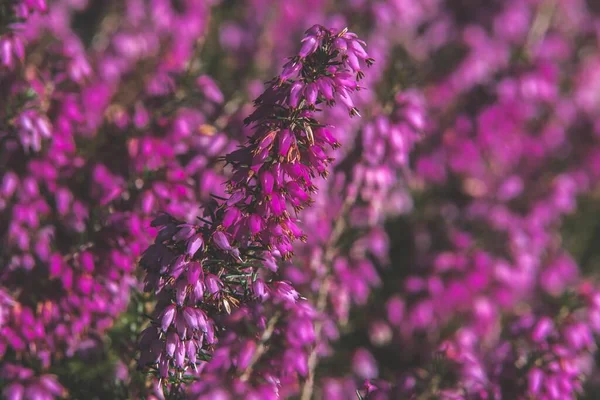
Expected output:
(201, 271)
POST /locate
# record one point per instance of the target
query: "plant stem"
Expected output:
(330, 252)
(262, 347)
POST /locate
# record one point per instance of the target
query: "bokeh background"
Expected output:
(453, 253)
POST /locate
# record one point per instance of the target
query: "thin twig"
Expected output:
(309, 384)
(330, 252)
(540, 25)
(262, 347)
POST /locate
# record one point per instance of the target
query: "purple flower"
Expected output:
(167, 316)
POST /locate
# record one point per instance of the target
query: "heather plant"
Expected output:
(162, 235)
(201, 270)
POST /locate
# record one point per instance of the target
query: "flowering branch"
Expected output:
(198, 271)
(380, 153)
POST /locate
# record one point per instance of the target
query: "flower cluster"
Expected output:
(450, 253)
(25, 385)
(201, 270)
(12, 44)
(77, 190)
(510, 150)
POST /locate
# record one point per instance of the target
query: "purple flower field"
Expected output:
(300, 199)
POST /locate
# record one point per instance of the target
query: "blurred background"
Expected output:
(465, 264)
